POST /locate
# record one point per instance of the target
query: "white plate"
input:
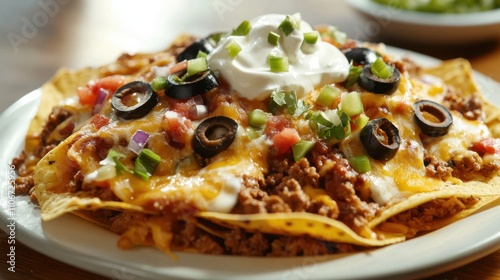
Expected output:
(85, 245)
(428, 28)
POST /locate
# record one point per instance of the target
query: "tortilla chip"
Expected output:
(486, 191)
(62, 85)
(296, 224)
(459, 74)
(54, 172)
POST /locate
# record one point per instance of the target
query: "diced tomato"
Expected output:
(177, 127)
(276, 124)
(184, 107)
(487, 146)
(88, 94)
(99, 121)
(181, 66)
(285, 139)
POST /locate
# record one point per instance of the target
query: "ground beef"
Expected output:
(407, 65)
(56, 117)
(239, 242)
(342, 183)
(471, 107)
(436, 168)
(466, 164)
(24, 164)
(24, 184)
(120, 221)
(77, 182)
(292, 194)
(282, 189)
(188, 235)
(285, 246)
(417, 219)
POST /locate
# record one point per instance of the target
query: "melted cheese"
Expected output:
(460, 137)
(405, 172)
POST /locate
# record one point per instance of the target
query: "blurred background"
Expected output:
(40, 36)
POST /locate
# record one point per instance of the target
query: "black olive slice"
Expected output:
(204, 44)
(192, 86)
(360, 56)
(380, 137)
(134, 100)
(213, 136)
(433, 119)
(371, 82)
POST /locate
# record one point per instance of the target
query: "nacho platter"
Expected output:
(220, 217)
(83, 250)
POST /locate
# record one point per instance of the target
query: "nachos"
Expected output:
(275, 138)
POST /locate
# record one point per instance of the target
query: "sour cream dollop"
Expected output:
(249, 74)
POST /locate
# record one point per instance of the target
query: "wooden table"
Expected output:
(20, 75)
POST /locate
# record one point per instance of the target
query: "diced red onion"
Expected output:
(198, 111)
(138, 141)
(101, 97)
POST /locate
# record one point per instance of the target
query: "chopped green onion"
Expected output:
(233, 49)
(311, 37)
(273, 38)
(361, 120)
(257, 118)
(360, 163)
(201, 54)
(354, 73)
(344, 118)
(146, 163)
(380, 69)
(159, 83)
(288, 25)
(278, 63)
(328, 95)
(195, 66)
(318, 118)
(351, 104)
(113, 158)
(242, 29)
(301, 148)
